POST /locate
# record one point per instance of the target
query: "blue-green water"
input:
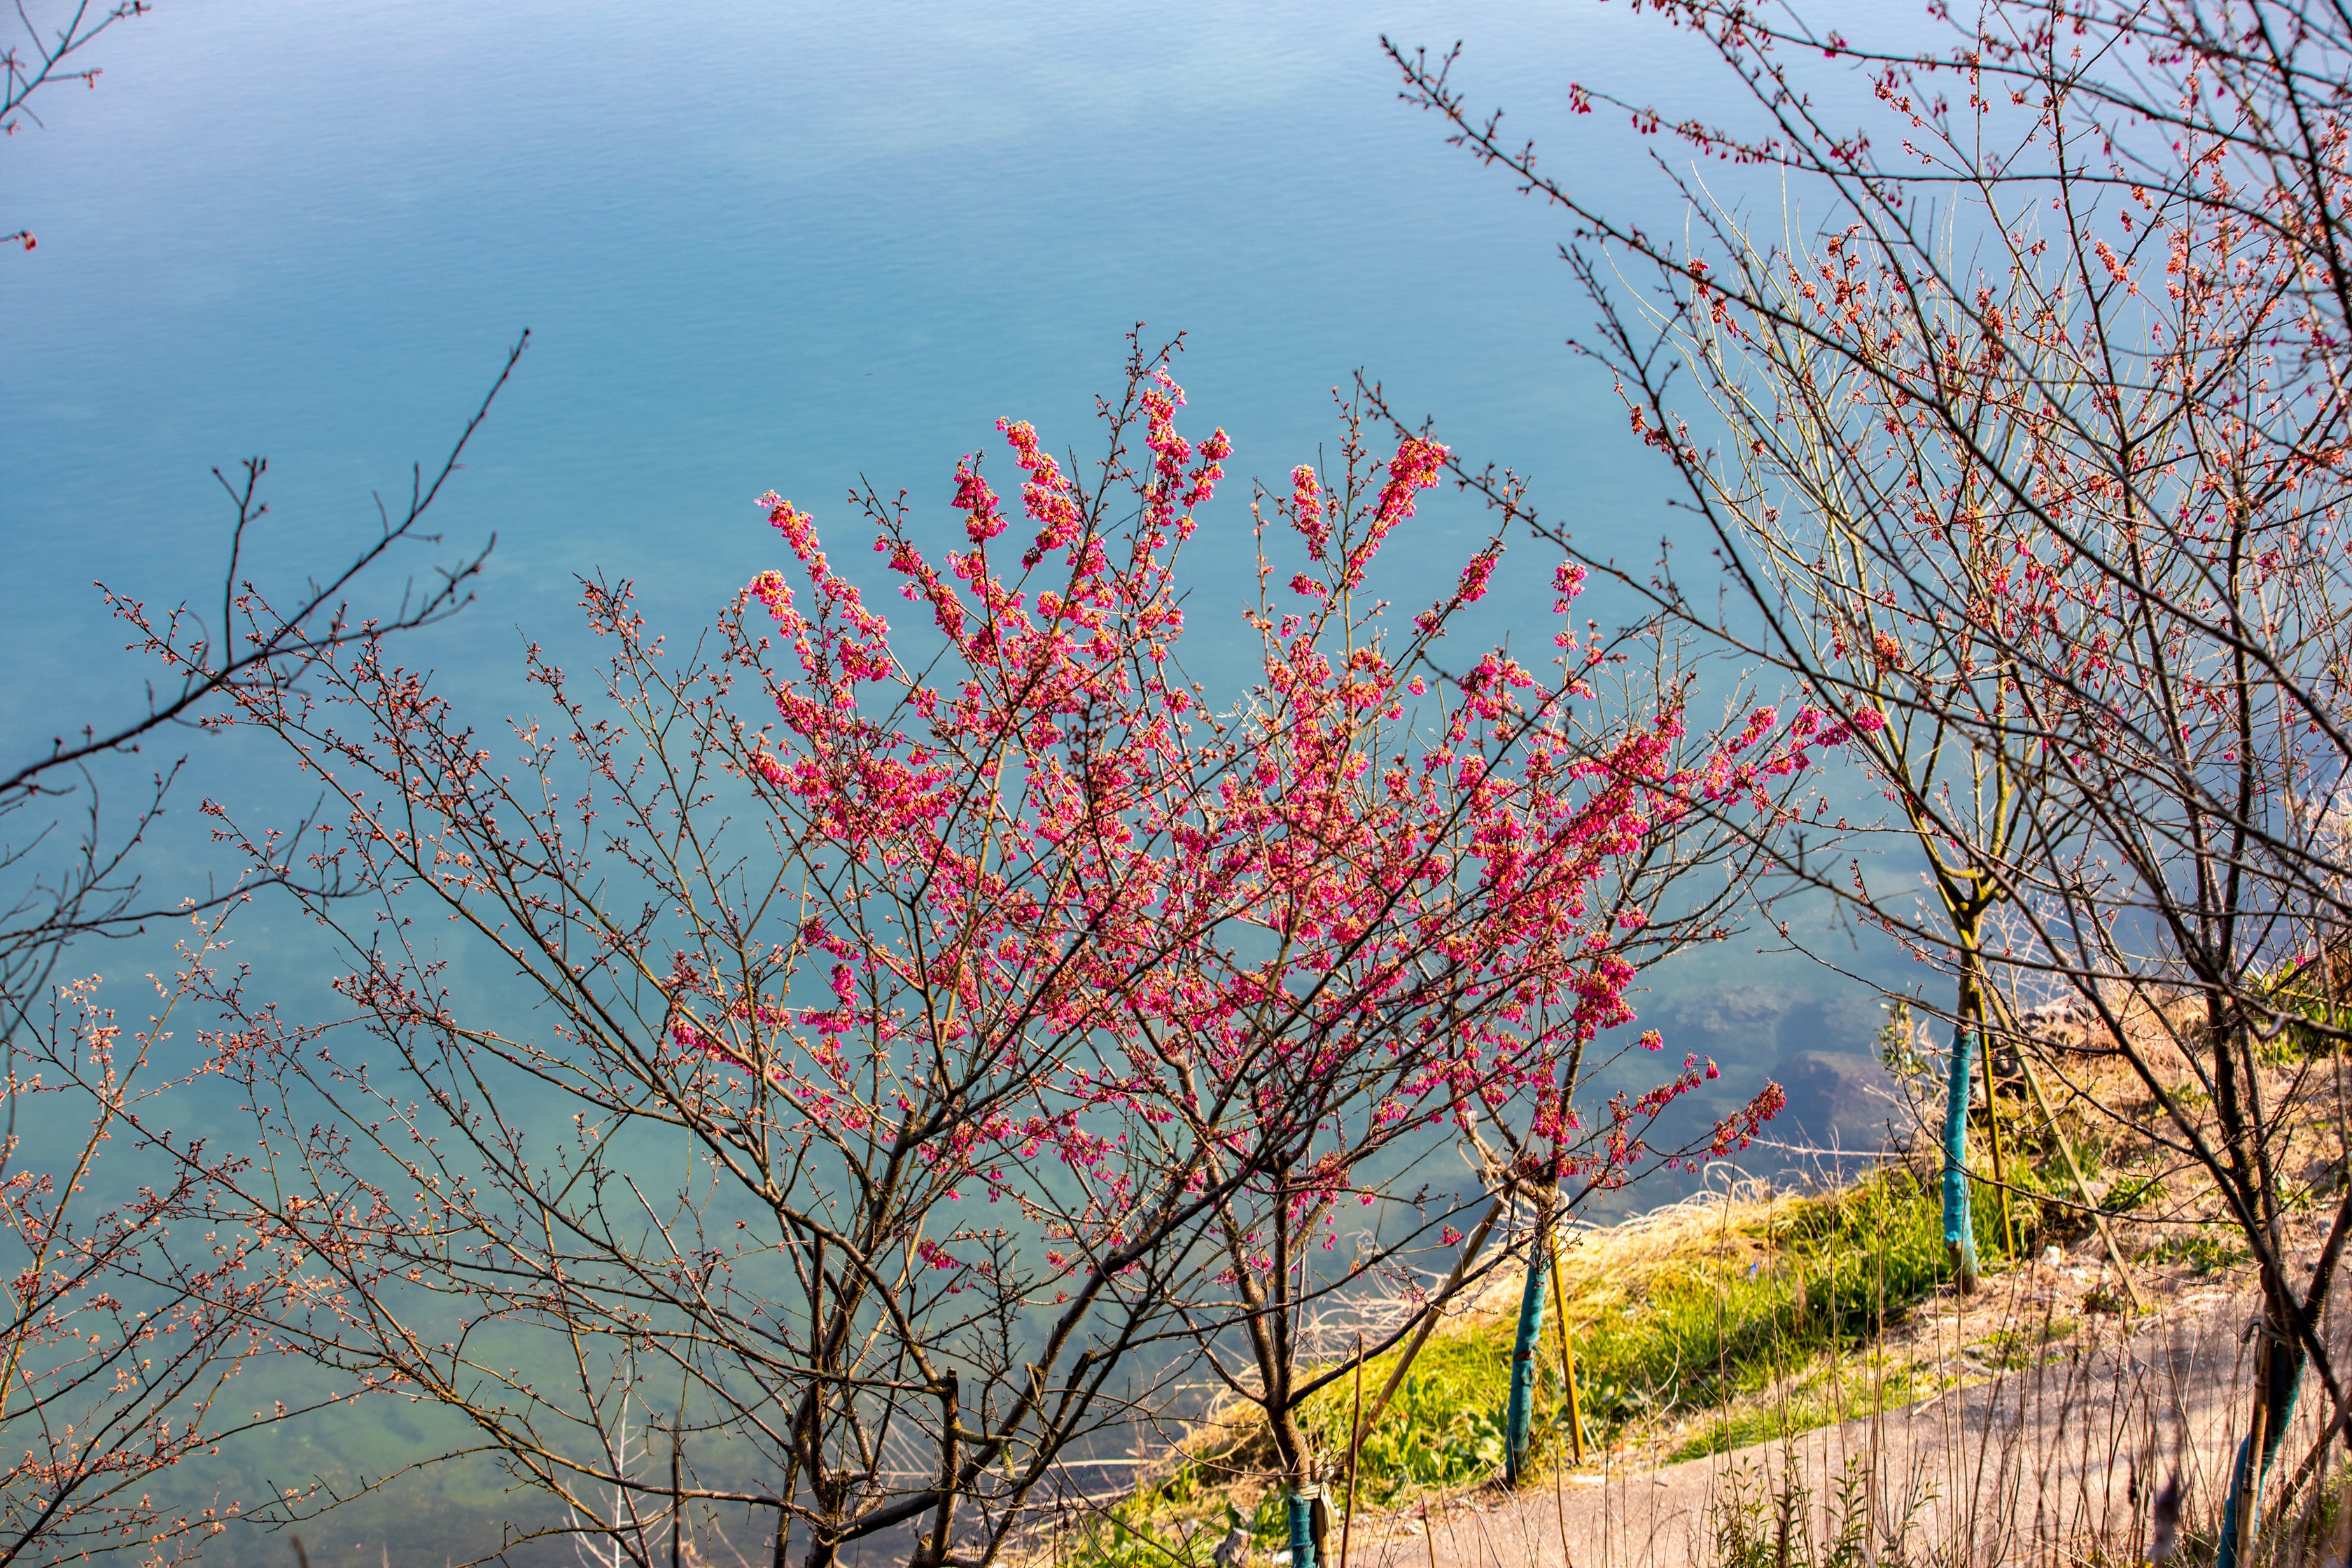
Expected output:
(767, 246)
(756, 246)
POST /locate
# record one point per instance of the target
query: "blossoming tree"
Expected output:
(948, 1036)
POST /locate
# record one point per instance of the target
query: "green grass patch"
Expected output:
(2203, 1251)
(2313, 1023)
(2015, 1350)
(1140, 1533)
(2132, 1194)
(1736, 1333)
(1443, 1429)
(1826, 1276)
(1702, 1321)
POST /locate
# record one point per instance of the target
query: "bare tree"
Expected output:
(2035, 435)
(50, 55)
(121, 1329)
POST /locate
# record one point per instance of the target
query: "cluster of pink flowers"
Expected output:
(1056, 848)
(1307, 510)
(858, 650)
(1047, 497)
(1738, 1130)
(1416, 467)
(972, 496)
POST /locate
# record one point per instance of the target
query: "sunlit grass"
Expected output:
(1670, 1324)
(1712, 1327)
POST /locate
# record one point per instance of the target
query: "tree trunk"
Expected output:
(1959, 1221)
(1519, 1415)
(2278, 1380)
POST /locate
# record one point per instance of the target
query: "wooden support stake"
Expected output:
(1566, 1357)
(1355, 1446)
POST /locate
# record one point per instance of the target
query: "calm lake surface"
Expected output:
(756, 247)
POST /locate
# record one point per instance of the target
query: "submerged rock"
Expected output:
(1840, 1106)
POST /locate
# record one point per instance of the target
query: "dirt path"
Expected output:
(2069, 1448)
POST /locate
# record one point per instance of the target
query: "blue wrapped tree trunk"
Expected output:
(1519, 1415)
(1959, 1222)
(2280, 1380)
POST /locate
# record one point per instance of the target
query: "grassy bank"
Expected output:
(1687, 1314)
(1702, 1327)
